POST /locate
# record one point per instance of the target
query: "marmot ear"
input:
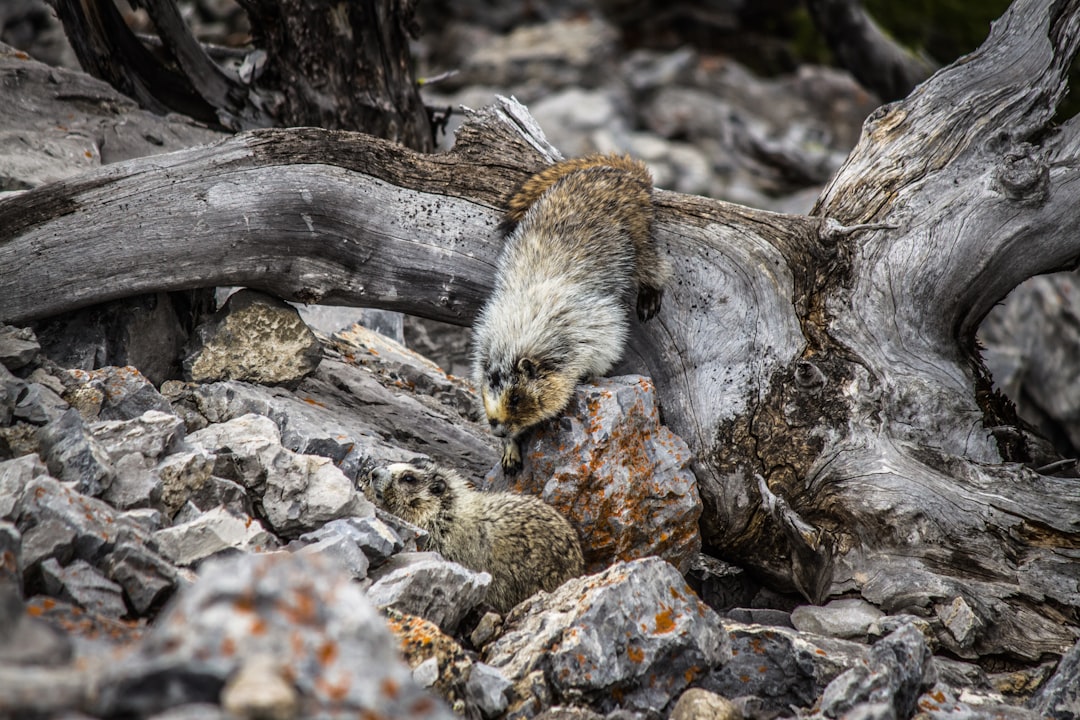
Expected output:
(528, 368)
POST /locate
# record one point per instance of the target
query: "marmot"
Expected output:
(580, 244)
(523, 542)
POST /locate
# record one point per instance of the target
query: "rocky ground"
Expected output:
(183, 525)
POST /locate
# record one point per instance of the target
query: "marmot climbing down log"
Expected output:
(524, 543)
(581, 245)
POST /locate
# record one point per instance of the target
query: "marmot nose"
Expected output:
(497, 428)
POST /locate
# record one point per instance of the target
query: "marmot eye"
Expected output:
(408, 479)
(438, 487)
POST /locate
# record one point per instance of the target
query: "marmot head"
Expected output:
(417, 491)
(518, 396)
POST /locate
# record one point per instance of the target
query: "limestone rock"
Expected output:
(74, 455)
(124, 392)
(436, 659)
(633, 636)
(260, 690)
(183, 475)
(429, 587)
(212, 532)
(1059, 698)
(81, 584)
(15, 474)
(698, 704)
(151, 434)
(848, 618)
(147, 578)
(616, 473)
(331, 642)
(39, 404)
(18, 347)
(306, 491)
(893, 677)
(24, 639)
(255, 338)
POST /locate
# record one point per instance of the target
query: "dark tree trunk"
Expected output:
(822, 368)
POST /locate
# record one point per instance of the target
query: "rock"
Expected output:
(74, 455)
(720, 585)
(960, 620)
(944, 703)
(218, 491)
(147, 578)
(891, 680)
(633, 637)
(781, 667)
(429, 587)
(413, 537)
(39, 404)
(39, 691)
(574, 117)
(760, 616)
(81, 584)
(1059, 698)
(90, 523)
(15, 474)
(306, 491)
(698, 704)
(214, 531)
(183, 475)
(341, 548)
(244, 448)
(436, 659)
(254, 338)
(487, 690)
(124, 392)
(143, 331)
(48, 540)
(135, 484)
(848, 618)
(11, 389)
(260, 690)
(18, 347)
(152, 435)
(10, 552)
(306, 614)
(616, 473)
(24, 639)
(376, 539)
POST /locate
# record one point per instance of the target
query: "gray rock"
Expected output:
(343, 550)
(760, 616)
(44, 690)
(244, 448)
(259, 689)
(254, 338)
(147, 578)
(92, 522)
(81, 584)
(890, 682)
(124, 392)
(135, 484)
(574, 116)
(633, 636)
(848, 618)
(636, 476)
(15, 474)
(226, 493)
(1059, 698)
(183, 475)
(24, 639)
(212, 532)
(10, 554)
(779, 666)
(487, 689)
(306, 491)
(432, 588)
(18, 347)
(152, 435)
(376, 539)
(307, 614)
(413, 537)
(74, 455)
(11, 389)
(960, 620)
(944, 703)
(51, 539)
(39, 405)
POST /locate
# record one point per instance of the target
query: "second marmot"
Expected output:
(523, 542)
(580, 249)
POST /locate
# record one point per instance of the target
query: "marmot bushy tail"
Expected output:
(524, 543)
(581, 248)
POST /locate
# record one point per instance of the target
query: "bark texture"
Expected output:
(822, 368)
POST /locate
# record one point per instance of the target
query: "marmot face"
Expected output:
(522, 396)
(417, 492)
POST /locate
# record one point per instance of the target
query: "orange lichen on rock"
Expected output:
(665, 621)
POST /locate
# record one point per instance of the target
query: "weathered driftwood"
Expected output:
(823, 368)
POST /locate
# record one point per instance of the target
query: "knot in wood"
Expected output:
(1023, 176)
